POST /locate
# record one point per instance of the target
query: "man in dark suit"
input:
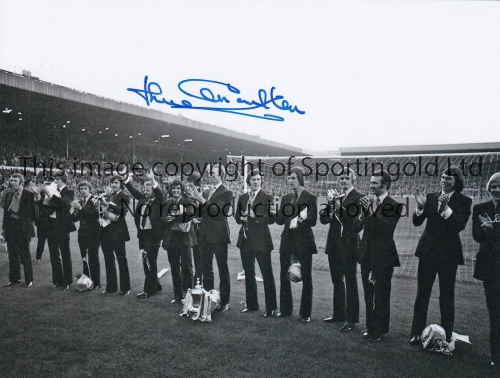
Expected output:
(60, 225)
(214, 208)
(17, 227)
(255, 242)
(486, 231)
(42, 222)
(342, 249)
(194, 181)
(377, 252)
(179, 239)
(114, 234)
(298, 212)
(87, 213)
(439, 249)
(150, 229)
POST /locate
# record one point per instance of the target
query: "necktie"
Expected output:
(251, 198)
(14, 206)
(376, 202)
(211, 192)
(145, 210)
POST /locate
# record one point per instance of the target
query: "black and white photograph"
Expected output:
(247, 188)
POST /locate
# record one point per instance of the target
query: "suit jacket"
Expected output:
(378, 236)
(43, 213)
(187, 238)
(155, 210)
(342, 242)
(488, 258)
(441, 239)
(118, 229)
(256, 229)
(89, 220)
(299, 241)
(26, 214)
(62, 206)
(214, 227)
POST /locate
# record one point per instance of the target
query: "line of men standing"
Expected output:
(52, 205)
(348, 213)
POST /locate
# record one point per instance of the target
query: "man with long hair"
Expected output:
(439, 249)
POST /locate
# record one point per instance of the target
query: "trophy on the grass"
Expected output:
(200, 304)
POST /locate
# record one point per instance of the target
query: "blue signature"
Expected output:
(152, 93)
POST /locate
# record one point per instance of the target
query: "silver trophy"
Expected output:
(199, 303)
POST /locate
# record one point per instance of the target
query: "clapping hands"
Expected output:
(75, 204)
(420, 197)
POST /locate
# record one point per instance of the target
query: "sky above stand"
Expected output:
(365, 73)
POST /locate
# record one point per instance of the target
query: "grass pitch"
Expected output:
(47, 333)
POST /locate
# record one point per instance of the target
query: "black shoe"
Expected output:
(96, 287)
(246, 309)
(307, 319)
(269, 314)
(37, 260)
(56, 286)
(143, 295)
(346, 327)
(175, 300)
(374, 337)
(125, 293)
(224, 308)
(12, 283)
(365, 334)
(64, 288)
(28, 284)
(282, 314)
(415, 340)
(333, 319)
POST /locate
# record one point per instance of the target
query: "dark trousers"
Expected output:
(248, 256)
(377, 299)
(62, 274)
(150, 244)
(41, 234)
(345, 289)
(111, 247)
(492, 292)
(286, 300)
(89, 250)
(207, 252)
(427, 271)
(19, 253)
(197, 264)
(181, 263)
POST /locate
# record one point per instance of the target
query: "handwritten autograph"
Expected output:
(210, 92)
